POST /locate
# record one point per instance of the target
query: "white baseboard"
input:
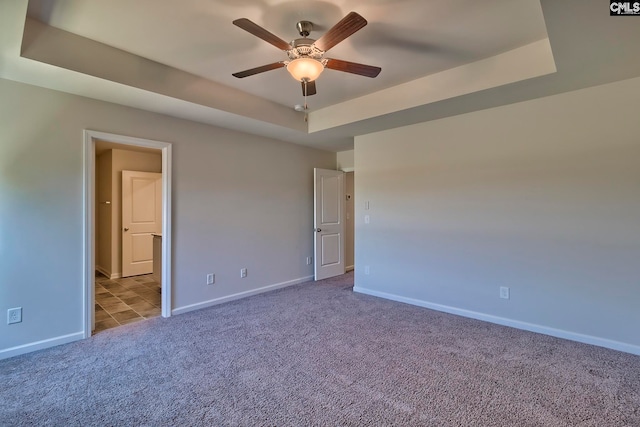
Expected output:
(239, 295)
(106, 273)
(40, 345)
(349, 268)
(102, 271)
(531, 327)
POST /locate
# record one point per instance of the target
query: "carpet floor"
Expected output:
(317, 354)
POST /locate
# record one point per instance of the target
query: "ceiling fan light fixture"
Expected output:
(305, 69)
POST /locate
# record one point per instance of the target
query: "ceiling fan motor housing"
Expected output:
(304, 48)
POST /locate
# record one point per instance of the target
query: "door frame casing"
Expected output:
(89, 220)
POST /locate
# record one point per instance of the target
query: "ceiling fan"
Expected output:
(306, 55)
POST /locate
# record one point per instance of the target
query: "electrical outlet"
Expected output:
(211, 279)
(14, 315)
(309, 260)
(366, 270)
(504, 292)
(243, 272)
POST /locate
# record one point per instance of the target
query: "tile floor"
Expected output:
(127, 300)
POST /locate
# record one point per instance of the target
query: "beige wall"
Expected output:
(345, 160)
(109, 167)
(238, 201)
(542, 197)
(126, 160)
(349, 232)
(103, 212)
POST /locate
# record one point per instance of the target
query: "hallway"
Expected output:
(122, 301)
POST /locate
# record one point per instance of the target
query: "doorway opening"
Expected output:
(95, 142)
(350, 200)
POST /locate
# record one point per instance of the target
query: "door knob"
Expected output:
(318, 230)
(126, 229)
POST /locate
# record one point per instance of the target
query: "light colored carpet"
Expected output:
(317, 354)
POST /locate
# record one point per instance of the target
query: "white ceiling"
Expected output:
(438, 57)
(407, 38)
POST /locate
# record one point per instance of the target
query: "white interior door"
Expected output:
(328, 223)
(141, 218)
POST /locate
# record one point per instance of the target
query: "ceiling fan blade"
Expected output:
(260, 32)
(343, 29)
(353, 67)
(257, 70)
(311, 88)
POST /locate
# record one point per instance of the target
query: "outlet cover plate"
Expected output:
(14, 315)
